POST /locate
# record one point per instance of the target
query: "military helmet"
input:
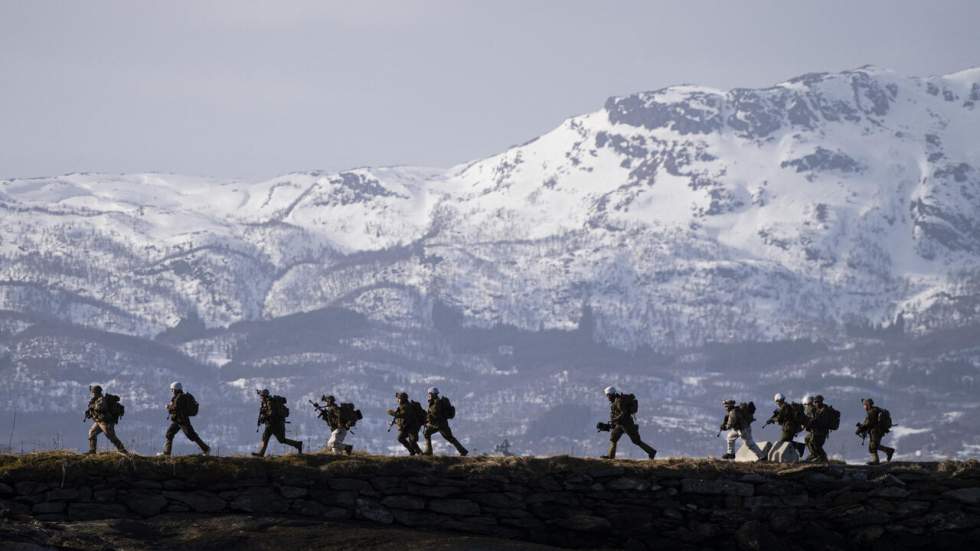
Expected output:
(807, 400)
(610, 391)
(818, 399)
(433, 390)
(264, 392)
(778, 398)
(401, 395)
(176, 386)
(868, 401)
(328, 398)
(95, 388)
(728, 403)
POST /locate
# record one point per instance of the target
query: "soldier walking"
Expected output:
(821, 419)
(437, 419)
(104, 410)
(181, 408)
(876, 425)
(273, 413)
(738, 422)
(622, 408)
(789, 418)
(409, 417)
(339, 426)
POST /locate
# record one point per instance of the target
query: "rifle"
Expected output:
(603, 427)
(321, 413)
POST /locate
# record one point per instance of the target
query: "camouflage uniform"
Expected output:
(275, 425)
(787, 421)
(408, 425)
(181, 421)
(437, 422)
(818, 423)
(875, 432)
(338, 431)
(739, 425)
(103, 422)
(622, 422)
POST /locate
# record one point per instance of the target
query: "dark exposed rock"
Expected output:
(202, 502)
(716, 487)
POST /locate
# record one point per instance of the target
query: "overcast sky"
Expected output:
(252, 89)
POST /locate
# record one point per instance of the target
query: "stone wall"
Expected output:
(568, 502)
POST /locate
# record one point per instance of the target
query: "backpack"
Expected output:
(418, 414)
(833, 418)
(447, 407)
(192, 407)
(348, 415)
(631, 404)
(116, 410)
(278, 407)
(884, 420)
(747, 411)
(799, 414)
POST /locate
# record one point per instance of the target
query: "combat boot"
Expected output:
(612, 452)
(348, 449)
(889, 452)
(299, 448)
(728, 456)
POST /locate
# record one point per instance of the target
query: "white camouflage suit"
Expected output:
(737, 431)
(336, 441)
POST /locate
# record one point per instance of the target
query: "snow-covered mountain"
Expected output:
(828, 208)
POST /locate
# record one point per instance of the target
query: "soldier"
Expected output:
(272, 414)
(738, 423)
(409, 416)
(437, 421)
(339, 427)
(104, 410)
(820, 421)
(876, 424)
(622, 408)
(789, 420)
(181, 408)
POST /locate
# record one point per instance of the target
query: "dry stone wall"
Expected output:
(574, 503)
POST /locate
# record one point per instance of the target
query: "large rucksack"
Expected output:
(278, 408)
(884, 420)
(448, 409)
(799, 414)
(192, 408)
(348, 415)
(418, 415)
(833, 418)
(115, 410)
(630, 404)
(746, 412)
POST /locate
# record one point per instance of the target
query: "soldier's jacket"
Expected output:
(436, 414)
(178, 408)
(784, 416)
(267, 413)
(870, 423)
(405, 417)
(735, 420)
(98, 409)
(619, 412)
(331, 414)
(818, 420)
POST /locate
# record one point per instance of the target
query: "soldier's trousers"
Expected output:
(633, 432)
(188, 431)
(279, 431)
(100, 427)
(336, 441)
(788, 433)
(814, 444)
(874, 443)
(446, 433)
(746, 436)
(410, 439)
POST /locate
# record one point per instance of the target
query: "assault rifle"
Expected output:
(321, 413)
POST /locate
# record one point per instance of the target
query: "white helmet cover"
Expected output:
(610, 391)
(778, 397)
(433, 390)
(807, 400)
(176, 386)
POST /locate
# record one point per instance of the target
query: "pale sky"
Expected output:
(253, 89)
